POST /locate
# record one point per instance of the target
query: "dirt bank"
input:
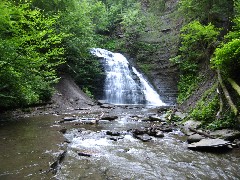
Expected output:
(67, 98)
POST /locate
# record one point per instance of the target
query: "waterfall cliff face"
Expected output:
(123, 83)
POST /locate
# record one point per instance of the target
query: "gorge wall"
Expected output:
(157, 44)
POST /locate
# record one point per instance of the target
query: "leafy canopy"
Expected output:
(30, 51)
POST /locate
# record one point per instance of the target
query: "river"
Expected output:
(29, 145)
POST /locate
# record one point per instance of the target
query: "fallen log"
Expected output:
(201, 133)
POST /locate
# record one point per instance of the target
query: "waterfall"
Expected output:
(123, 83)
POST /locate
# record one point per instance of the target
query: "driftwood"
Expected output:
(201, 133)
(226, 94)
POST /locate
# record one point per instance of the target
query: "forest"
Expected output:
(41, 39)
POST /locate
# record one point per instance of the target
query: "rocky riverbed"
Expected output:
(74, 137)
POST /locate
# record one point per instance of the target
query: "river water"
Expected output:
(130, 158)
(29, 145)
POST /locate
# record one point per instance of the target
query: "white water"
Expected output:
(123, 83)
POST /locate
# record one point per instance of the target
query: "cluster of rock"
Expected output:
(215, 141)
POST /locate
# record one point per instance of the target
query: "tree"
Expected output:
(30, 51)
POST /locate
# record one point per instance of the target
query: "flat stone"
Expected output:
(210, 145)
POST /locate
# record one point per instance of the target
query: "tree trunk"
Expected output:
(234, 85)
(226, 94)
(220, 105)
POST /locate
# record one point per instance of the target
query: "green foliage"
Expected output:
(82, 20)
(132, 24)
(206, 11)
(226, 56)
(228, 121)
(88, 92)
(198, 41)
(206, 109)
(30, 52)
(186, 86)
(157, 6)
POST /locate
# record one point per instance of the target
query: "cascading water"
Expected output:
(123, 83)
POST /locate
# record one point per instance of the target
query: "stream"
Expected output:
(130, 158)
(28, 147)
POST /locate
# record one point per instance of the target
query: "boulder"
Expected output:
(236, 143)
(101, 102)
(144, 137)
(190, 124)
(113, 133)
(180, 115)
(195, 138)
(139, 131)
(213, 145)
(159, 134)
(226, 134)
